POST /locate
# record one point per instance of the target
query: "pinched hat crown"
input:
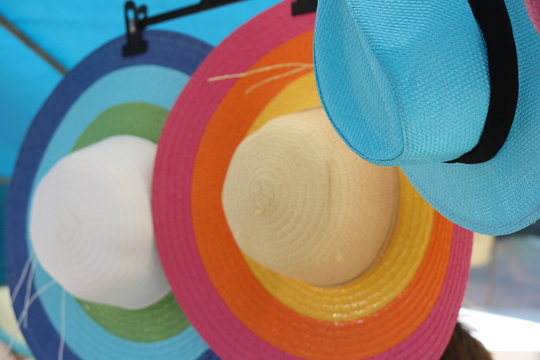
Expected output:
(414, 75)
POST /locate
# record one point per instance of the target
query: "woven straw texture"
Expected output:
(406, 84)
(393, 83)
(244, 310)
(105, 95)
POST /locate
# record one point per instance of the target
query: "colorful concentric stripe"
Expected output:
(103, 96)
(243, 310)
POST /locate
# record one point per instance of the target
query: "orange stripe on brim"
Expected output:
(175, 190)
(267, 317)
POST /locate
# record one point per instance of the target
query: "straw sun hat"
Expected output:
(254, 194)
(447, 90)
(84, 273)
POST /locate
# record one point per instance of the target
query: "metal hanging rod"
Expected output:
(137, 19)
(203, 6)
(38, 50)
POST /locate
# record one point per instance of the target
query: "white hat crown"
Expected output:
(91, 226)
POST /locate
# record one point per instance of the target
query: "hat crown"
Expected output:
(91, 226)
(299, 202)
(414, 77)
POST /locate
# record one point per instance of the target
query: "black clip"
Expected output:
(135, 23)
(137, 20)
(300, 7)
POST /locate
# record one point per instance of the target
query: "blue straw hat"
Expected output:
(447, 90)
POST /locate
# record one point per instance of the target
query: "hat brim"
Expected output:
(243, 310)
(500, 196)
(105, 95)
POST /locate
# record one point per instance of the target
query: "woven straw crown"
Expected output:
(413, 77)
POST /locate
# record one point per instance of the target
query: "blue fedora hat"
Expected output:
(447, 90)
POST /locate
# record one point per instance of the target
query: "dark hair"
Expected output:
(463, 346)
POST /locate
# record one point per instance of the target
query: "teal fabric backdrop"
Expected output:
(70, 30)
